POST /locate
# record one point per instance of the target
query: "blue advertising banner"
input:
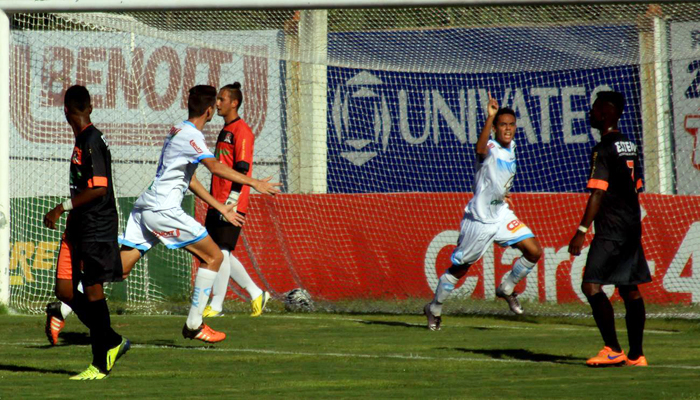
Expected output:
(393, 131)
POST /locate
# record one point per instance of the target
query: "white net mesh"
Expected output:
(369, 118)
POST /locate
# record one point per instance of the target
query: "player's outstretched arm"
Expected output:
(263, 186)
(228, 211)
(592, 208)
(81, 199)
(481, 144)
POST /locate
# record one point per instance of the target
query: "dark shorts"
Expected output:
(614, 262)
(221, 231)
(89, 262)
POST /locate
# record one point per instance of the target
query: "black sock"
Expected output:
(79, 304)
(102, 336)
(604, 316)
(636, 317)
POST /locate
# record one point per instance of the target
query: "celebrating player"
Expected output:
(157, 214)
(234, 148)
(488, 218)
(616, 256)
(89, 252)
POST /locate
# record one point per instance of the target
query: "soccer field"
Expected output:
(350, 356)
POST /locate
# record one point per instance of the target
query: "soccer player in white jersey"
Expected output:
(488, 217)
(158, 215)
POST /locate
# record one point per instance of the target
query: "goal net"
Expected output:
(369, 118)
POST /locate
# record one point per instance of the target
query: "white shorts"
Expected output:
(475, 237)
(173, 227)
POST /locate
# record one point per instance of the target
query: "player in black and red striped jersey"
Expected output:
(89, 251)
(234, 148)
(616, 256)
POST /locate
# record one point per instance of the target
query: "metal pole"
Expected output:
(4, 158)
(171, 5)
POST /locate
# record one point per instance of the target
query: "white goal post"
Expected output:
(355, 129)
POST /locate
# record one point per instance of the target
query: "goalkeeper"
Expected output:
(488, 217)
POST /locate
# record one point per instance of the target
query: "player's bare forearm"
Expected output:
(484, 137)
(483, 141)
(592, 208)
(263, 186)
(228, 211)
(81, 199)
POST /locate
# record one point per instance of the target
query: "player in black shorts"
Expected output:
(89, 250)
(615, 256)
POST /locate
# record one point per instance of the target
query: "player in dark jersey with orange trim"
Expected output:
(89, 251)
(234, 148)
(615, 256)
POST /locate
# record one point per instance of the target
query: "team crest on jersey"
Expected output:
(195, 147)
(77, 157)
(228, 138)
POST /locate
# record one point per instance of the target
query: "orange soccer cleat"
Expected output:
(54, 322)
(607, 357)
(203, 333)
(640, 362)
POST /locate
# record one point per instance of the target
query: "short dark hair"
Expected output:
(201, 98)
(614, 98)
(503, 111)
(76, 99)
(234, 90)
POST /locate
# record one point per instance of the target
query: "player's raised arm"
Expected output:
(263, 186)
(481, 144)
(228, 211)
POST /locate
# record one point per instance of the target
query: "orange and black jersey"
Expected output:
(91, 166)
(234, 148)
(615, 168)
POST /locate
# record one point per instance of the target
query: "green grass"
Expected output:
(282, 355)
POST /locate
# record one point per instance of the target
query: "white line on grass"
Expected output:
(343, 355)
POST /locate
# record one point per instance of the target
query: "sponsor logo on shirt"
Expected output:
(626, 148)
(514, 225)
(195, 147)
(77, 157)
(167, 234)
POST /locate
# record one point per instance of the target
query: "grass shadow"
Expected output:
(20, 368)
(392, 323)
(521, 354)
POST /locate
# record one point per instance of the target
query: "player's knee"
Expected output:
(214, 260)
(458, 271)
(590, 289)
(629, 293)
(533, 253)
(64, 295)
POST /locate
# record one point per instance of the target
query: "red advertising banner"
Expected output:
(396, 246)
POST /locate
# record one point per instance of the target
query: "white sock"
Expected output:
(241, 277)
(202, 289)
(221, 283)
(445, 286)
(65, 310)
(521, 268)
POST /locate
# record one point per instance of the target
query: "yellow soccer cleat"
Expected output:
(258, 305)
(116, 352)
(211, 313)
(92, 373)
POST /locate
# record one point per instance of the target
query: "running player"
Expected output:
(616, 256)
(488, 218)
(89, 252)
(234, 148)
(158, 216)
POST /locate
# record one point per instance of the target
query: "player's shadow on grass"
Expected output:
(521, 354)
(392, 323)
(20, 368)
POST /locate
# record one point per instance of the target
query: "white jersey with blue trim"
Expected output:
(492, 182)
(183, 149)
